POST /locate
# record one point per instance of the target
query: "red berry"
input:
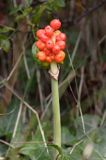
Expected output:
(61, 44)
(61, 37)
(41, 56)
(60, 57)
(40, 32)
(55, 24)
(58, 38)
(48, 59)
(49, 31)
(47, 51)
(41, 35)
(49, 44)
(52, 57)
(44, 38)
(40, 44)
(56, 49)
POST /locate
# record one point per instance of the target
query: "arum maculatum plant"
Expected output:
(49, 50)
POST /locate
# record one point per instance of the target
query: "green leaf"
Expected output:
(35, 151)
(55, 5)
(34, 50)
(24, 13)
(67, 137)
(5, 45)
(3, 37)
(14, 10)
(56, 147)
(37, 13)
(60, 3)
(90, 121)
(100, 142)
(5, 29)
(7, 121)
(27, 11)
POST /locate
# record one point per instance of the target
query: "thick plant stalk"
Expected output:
(56, 106)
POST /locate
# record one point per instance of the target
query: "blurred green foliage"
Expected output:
(33, 85)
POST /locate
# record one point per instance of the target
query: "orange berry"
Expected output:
(40, 32)
(40, 44)
(52, 57)
(61, 44)
(48, 59)
(44, 38)
(55, 24)
(47, 51)
(60, 57)
(56, 49)
(61, 37)
(49, 44)
(41, 56)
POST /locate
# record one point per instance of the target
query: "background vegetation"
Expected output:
(25, 89)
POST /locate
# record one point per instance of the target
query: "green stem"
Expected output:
(56, 106)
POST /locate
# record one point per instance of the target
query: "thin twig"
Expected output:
(85, 13)
(80, 88)
(40, 89)
(90, 10)
(76, 46)
(69, 78)
(76, 145)
(103, 118)
(34, 111)
(26, 67)
(15, 66)
(79, 98)
(46, 109)
(6, 143)
(17, 120)
(102, 39)
(71, 64)
(8, 113)
(29, 142)
(73, 93)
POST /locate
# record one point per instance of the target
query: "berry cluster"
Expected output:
(51, 43)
